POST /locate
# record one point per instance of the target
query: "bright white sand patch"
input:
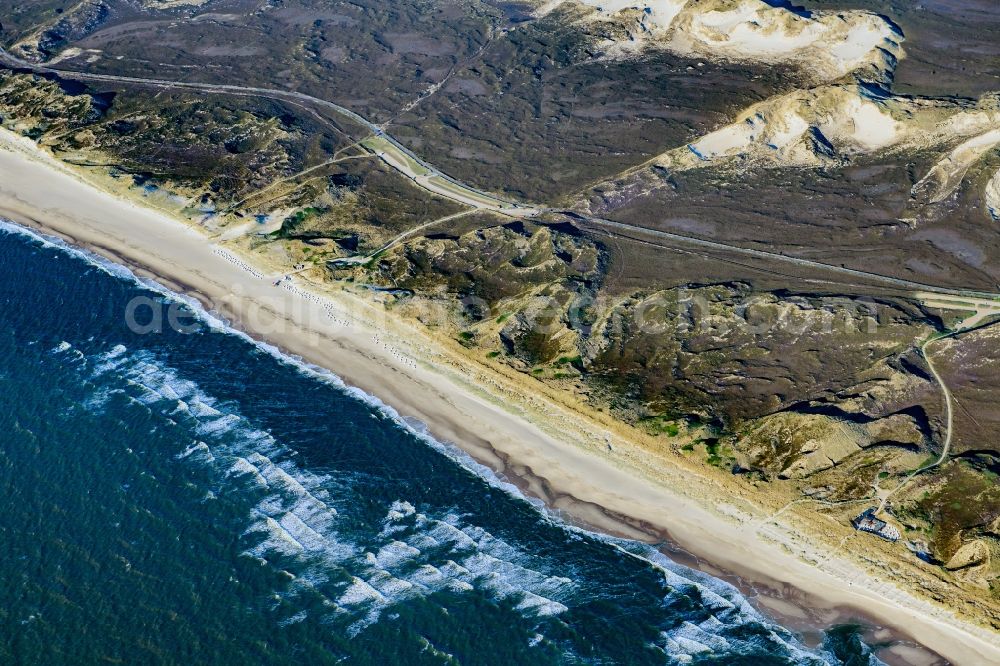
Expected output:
(724, 22)
(750, 39)
(976, 147)
(993, 196)
(754, 28)
(727, 141)
(945, 176)
(829, 44)
(660, 13)
(663, 12)
(66, 54)
(971, 122)
(781, 130)
(867, 35)
(826, 44)
(834, 122)
(787, 130)
(860, 124)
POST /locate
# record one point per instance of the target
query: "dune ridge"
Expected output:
(825, 46)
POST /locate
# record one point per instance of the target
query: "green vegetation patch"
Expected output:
(960, 500)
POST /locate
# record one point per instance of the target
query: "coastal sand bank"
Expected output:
(554, 452)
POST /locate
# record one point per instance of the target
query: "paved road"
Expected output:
(981, 309)
(908, 285)
(426, 175)
(429, 178)
(434, 180)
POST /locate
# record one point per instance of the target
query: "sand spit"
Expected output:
(555, 447)
(824, 45)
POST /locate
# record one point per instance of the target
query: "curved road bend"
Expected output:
(949, 412)
(13, 62)
(946, 443)
(474, 194)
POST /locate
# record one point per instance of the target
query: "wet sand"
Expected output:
(550, 450)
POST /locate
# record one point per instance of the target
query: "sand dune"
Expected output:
(992, 196)
(945, 177)
(825, 45)
(802, 128)
(834, 123)
(555, 448)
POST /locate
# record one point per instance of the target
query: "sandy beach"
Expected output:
(580, 464)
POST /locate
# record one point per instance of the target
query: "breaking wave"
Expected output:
(351, 554)
(297, 520)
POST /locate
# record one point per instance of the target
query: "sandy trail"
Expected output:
(556, 452)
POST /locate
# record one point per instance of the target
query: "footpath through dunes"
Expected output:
(427, 176)
(554, 448)
(974, 312)
(289, 503)
(388, 149)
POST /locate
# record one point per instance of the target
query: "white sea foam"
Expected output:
(540, 605)
(422, 541)
(400, 510)
(306, 536)
(221, 425)
(294, 619)
(243, 466)
(199, 449)
(428, 576)
(390, 586)
(443, 532)
(213, 321)
(291, 520)
(277, 540)
(359, 592)
(394, 553)
(199, 409)
(45, 240)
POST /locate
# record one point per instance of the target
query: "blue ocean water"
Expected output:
(179, 498)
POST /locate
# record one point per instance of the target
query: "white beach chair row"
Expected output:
(233, 259)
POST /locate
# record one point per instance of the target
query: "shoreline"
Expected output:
(578, 484)
(789, 607)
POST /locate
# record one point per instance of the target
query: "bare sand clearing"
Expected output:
(992, 196)
(558, 453)
(779, 130)
(945, 176)
(826, 45)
